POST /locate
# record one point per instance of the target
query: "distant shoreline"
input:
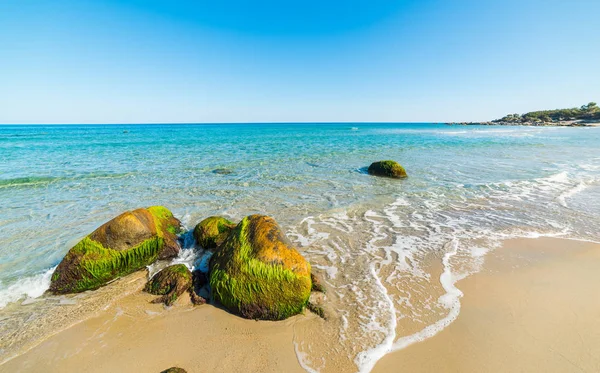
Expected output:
(584, 116)
(570, 123)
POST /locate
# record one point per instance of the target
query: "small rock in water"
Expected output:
(171, 282)
(387, 169)
(222, 171)
(316, 284)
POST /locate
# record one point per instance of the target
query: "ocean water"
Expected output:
(390, 251)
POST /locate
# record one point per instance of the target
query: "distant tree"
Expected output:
(591, 107)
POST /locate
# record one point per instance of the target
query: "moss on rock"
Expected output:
(174, 370)
(170, 282)
(258, 274)
(211, 232)
(119, 247)
(387, 169)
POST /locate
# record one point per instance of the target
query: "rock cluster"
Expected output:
(254, 270)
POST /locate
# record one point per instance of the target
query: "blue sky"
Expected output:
(140, 61)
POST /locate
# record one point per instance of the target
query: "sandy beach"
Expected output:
(531, 308)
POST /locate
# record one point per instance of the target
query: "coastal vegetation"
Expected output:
(587, 112)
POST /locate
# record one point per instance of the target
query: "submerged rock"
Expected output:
(211, 232)
(387, 169)
(121, 246)
(258, 274)
(170, 282)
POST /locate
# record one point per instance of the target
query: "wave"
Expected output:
(380, 277)
(28, 287)
(562, 199)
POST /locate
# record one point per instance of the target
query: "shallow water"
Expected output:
(390, 251)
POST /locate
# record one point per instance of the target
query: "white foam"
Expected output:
(31, 287)
(561, 177)
(303, 360)
(450, 301)
(366, 360)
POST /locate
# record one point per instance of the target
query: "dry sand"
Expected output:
(533, 308)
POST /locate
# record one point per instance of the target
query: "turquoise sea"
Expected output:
(372, 239)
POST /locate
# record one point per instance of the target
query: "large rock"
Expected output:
(211, 232)
(123, 245)
(258, 274)
(387, 169)
(170, 282)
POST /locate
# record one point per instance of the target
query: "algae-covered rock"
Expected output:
(170, 282)
(387, 169)
(211, 232)
(123, 245)
(174, 370)
(258, 274)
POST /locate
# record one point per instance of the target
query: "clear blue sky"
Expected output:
(86, 61)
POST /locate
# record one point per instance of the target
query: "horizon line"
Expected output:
(232, 123)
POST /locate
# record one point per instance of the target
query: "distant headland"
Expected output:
(586, 115)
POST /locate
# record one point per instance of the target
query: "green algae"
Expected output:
(97, 265)
(251, 287)
(171, 283)
(387, 168)
(212, 231)
(164, 220)
(89, 264)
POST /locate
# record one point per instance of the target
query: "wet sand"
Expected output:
(533, 307)
(137, 336)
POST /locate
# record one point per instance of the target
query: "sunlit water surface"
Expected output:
(390, 251)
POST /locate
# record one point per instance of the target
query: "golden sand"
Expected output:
(534, 307)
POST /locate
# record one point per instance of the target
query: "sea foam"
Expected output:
(28, 287)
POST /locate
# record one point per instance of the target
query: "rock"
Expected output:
(316, 304)
(318, 310)
(170, 282)
(387, 169)
(211, 232)
(222, 171)
(174, 370)
(123, 245)
(258, 274)
(316, 284)
(199, 279)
